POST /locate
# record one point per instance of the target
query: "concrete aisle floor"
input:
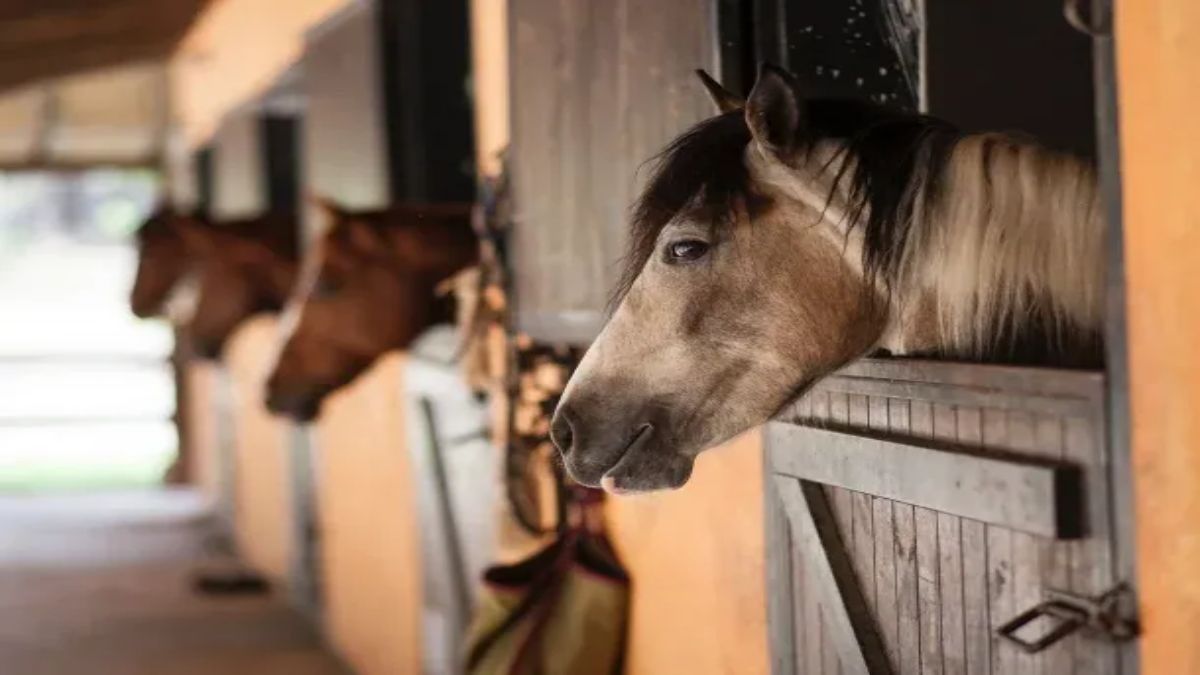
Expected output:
(99, 585)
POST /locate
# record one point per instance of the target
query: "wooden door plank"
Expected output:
(976, 636)
(1020, 494)
(781, 617)
(928, 590)
(883, 520)
(907, 608)
(862, 514)
(809, 642)
(999, 558)
(1055, 556)
(1026, 560)
(843, 500)
(945, 429)
(852, 631)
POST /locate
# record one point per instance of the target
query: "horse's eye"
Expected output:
(686, 250)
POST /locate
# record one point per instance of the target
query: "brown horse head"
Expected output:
(242, 268)
(787, 236)
(367, 287)
(163, 261)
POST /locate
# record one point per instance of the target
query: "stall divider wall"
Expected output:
(1158, 69)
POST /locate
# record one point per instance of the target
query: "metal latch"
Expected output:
(1104, 617)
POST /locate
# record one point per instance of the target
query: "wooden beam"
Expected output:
(1031, 496)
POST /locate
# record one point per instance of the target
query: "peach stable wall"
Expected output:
(696, 559)
(370, 559)
(262, 498)
(201, 381)
(1158, 59)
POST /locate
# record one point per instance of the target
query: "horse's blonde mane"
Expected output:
(1012, 236)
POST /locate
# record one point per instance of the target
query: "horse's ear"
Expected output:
(327, 206)
(775, 111)
(725, 100)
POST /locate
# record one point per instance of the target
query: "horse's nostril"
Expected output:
(562, 432)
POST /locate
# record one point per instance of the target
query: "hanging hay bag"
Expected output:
(562, 611)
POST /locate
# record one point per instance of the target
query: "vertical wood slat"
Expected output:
(977, 638)
(812, 647)
(1055, 556)
(863, 515)
(884, 530)
(842, 501)
(928, 582)
(999, 558)
(831, 663)
(945, 428)
(781, 615)
(1026, 561)
(808, 632)
(907, 607)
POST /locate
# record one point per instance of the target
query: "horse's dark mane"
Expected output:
(409, 213)
(897, 158)
(279, 230)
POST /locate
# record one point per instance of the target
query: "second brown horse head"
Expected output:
(242, 268)
(367, 288)
(164, 259)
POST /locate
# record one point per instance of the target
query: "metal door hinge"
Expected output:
(1107, 617)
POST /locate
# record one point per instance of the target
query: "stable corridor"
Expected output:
(99, 585)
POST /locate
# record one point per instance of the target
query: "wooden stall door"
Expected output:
(915, 508)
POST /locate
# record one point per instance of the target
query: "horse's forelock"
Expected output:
(702, 170)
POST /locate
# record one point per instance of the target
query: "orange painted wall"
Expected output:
(696, 557)
(367, 514)
(1159, 92)
(262, 520)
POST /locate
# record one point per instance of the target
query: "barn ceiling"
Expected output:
(41, 39)
(83, 82)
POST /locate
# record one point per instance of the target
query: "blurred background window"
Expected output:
(86, 391)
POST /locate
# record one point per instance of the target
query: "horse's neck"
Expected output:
(1014, 238)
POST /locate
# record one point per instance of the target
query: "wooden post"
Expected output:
(1158, 65)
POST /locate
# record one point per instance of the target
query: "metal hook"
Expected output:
(1097, 23)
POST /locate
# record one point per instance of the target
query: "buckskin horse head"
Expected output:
(787, 236)
(242, 268)
(366, 288)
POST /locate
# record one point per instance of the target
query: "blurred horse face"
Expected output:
(352, 305)
(367, 288)
(163, 261)
(240, 273)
